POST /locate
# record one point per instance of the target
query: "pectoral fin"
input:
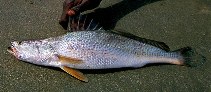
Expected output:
(69, 60)
(75, 73)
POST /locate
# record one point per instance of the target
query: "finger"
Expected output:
(63, 21)
(79, 4)
(86, 5)
(71, 12)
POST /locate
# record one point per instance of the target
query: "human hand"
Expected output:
(73, 7)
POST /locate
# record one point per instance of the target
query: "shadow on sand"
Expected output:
(108, 17)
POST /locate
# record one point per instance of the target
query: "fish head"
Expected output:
(27, 51)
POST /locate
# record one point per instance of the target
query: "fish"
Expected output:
(95, 49)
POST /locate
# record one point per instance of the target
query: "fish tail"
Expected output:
(189, 57)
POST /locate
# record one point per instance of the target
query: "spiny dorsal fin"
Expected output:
(75, 73)
(69, 60)
(82, 22)
(158, 44)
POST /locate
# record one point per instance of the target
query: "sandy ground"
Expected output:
(178, 23)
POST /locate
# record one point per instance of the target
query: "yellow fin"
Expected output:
(70, 60)
(75, 73)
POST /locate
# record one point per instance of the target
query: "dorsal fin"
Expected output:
(82, 22)
(158, 44)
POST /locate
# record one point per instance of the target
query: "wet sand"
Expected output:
(177, 23)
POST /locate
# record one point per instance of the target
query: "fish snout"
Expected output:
(9, 48)
(12, 51)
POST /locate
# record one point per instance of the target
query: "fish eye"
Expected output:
(19, 43)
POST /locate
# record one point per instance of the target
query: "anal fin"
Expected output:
(75, 73)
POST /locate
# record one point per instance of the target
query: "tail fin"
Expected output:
(190, 57)
(81, 23)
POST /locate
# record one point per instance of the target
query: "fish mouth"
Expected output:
(12, 50)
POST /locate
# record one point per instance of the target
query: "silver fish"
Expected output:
(98, 49)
